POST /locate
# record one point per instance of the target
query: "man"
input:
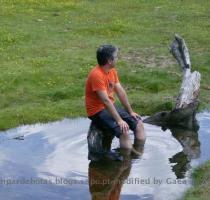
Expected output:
(101, 84)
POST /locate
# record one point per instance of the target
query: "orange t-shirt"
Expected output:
(98, 79)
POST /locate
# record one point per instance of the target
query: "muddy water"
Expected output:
(49, 161)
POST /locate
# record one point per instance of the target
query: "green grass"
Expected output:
(47, 48)
(200, 191)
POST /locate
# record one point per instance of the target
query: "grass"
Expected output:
(47, 48)
(200, 191)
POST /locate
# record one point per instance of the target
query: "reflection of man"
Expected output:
(105, 181)
(101, 84)
(106, 178)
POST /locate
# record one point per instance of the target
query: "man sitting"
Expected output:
(102, 82)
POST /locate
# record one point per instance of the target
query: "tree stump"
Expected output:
(183, 114)
(99, 142)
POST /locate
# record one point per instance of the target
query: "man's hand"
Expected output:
(123, 126)
(135, 115)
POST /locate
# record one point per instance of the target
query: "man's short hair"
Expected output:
(104, 53)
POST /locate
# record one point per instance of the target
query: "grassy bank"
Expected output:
(47, 48)
(200, 191)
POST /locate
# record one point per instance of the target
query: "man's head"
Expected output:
(106, 54)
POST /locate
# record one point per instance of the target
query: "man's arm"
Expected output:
(124, 99)
(110, 107)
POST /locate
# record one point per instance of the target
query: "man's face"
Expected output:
(113, 61)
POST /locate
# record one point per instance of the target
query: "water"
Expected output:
(49, 161)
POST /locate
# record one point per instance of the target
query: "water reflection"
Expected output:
(107, 177)
(191, 150)
(59, 150)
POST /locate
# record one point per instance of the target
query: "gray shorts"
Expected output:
(104, 121)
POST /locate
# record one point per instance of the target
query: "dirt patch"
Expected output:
(148, 58)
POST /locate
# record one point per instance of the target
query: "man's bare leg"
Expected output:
(140, 133)
(139, 141)
(125, 141)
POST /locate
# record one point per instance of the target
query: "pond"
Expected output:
(49, 161)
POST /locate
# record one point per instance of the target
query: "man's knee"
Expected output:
(140, 126)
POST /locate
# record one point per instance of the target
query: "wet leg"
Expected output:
(125, 141)
(139, 132)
